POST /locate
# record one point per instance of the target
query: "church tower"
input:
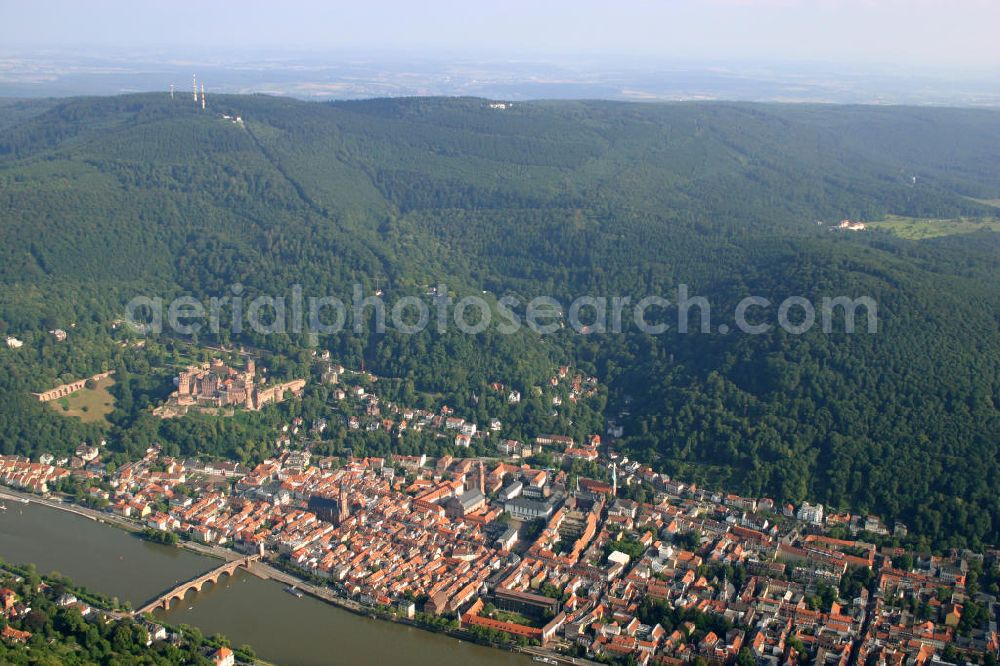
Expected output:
(342, 505)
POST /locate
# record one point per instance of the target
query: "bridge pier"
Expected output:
(164, 600)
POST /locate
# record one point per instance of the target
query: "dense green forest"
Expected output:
(102, 199)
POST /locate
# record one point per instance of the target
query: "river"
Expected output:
(281, 627)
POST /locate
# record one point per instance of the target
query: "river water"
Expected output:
(281, 627)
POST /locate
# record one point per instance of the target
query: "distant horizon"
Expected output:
(921, 52)
(181, 92)
(336, 74)
(233, 53)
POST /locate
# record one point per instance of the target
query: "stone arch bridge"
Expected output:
(177, 593)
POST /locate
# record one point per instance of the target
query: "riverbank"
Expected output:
(282, 628)
(320, 593)
(65, 638)
(111, 519)
(326, 595)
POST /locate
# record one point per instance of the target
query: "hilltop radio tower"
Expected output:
(203, 97)
(194, 88)
(171, 91)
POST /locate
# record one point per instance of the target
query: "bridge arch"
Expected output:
(178, 592)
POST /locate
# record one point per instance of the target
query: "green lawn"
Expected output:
(915, 228)
(90, 405)
(516, 618)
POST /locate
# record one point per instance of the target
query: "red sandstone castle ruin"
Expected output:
(217, 385)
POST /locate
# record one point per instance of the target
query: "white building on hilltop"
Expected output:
(849, 225)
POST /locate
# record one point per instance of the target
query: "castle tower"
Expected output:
(251, 368)
(184, 383)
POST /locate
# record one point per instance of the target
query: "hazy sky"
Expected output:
(957, 34)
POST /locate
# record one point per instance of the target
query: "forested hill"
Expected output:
(104, 198)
